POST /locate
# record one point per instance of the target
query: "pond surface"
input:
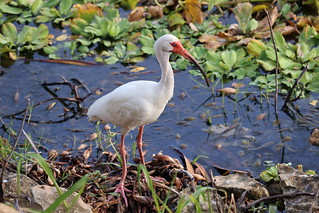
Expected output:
(244, 140)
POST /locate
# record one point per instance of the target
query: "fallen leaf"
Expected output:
(136, 14)
(65, 153)
(66, 61)
(155, 12)
(51, 105)
(193, 27)
(136, 68)
(227, 91)
(88, 11)
(229, 37)
(244, 41)
(93, 136)
(189, 119)
(262, 30)
(107, 127)
(183, 146)
(162, 157)
(313, 103)
(198, 177)
(237, 85)
(201, 170)
(87, 154)
(304, 21)
(212, 41)
(62, 37)
(82, 146)
(261, 116)
(193, 11)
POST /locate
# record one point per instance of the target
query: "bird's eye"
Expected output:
(173, 44)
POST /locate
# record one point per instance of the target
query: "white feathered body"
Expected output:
(138, 103)
(131, 105)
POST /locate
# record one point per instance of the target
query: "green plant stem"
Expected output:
(12, 150)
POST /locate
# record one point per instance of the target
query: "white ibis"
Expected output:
(138, 103)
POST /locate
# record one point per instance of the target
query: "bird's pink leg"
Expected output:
(120, 187)
(140, 143)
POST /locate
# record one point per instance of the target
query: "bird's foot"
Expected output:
(121, 190)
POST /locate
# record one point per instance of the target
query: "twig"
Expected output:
(277, 60)
(241, 199)
(5, 164)
(292, 195)
(31, 142)
(293, 87)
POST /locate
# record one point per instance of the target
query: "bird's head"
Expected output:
(169, 43)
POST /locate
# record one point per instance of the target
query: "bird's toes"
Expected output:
(121, 190)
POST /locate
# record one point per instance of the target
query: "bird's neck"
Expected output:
(167, 78)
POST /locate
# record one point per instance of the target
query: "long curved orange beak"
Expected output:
(179, 49)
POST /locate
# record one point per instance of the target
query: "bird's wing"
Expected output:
(129, 106)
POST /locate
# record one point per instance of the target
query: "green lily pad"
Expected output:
(9, 31)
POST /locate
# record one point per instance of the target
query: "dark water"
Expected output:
(246, 146)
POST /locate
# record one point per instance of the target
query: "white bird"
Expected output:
(138, 103)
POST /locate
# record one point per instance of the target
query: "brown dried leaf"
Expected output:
(193, 27)
(193, 11)
(284, 29)
(198, 177)
(88, 11)
(212, 41)
(162, 157)
(227, 91)
(237, 85)
(136, 68)
(189, 119)
(262, 30)
(201, 170)
(155, 11)
(136, 14)
(107, 127)
(51, 105)
(62, 37)
(87, 153)
(65, 153)
(244, 41)
(93, 136)
(261, 116)
(82, 146)
(304, 21)
(229, 37)
(263, 24)
(67, 61)
(189, 166)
